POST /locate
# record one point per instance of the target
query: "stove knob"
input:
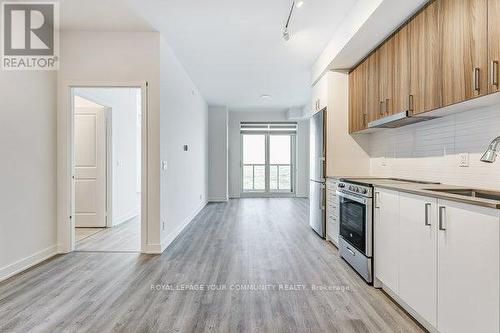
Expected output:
(365, 191)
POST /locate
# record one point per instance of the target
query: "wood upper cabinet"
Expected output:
(357, 99)
(394, 74)
(425, 60)
(372, 87)
(448, 53)
(493, 45)
(385, 56)
(401, 72)
(464, 49)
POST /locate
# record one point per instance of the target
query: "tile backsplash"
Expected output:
(430, 150)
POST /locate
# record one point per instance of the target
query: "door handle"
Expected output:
(475, 79)
(442, 216)
(427, 207)
(494, 73)
(322, 198)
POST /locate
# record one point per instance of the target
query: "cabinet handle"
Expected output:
(377, 199)
(364, 120)
(475, 79)
(442, 216)
(494, 73)
(381, 108)
(427, 207)
(387, 100)
(410, 103)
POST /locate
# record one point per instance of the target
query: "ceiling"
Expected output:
(101, 15)
(232, 49)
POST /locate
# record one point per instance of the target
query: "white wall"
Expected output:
(28, 168)
(347, 154)
(429, 150)
(218, 186)
(235, 118)
(111, 58)
(124, 103)
(183, 121)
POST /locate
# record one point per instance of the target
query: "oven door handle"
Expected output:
(360, 200)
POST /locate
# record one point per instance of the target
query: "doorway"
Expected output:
(268, 159)
(107, 163)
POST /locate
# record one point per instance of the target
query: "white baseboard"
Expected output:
(126, 217)
(218, 199)
(173, 235)
(152, 249)
(25, 263)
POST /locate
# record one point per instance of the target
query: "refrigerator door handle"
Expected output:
(322, 198)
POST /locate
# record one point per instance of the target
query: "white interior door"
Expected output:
(90, 167)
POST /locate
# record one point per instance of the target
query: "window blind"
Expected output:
(269, 127)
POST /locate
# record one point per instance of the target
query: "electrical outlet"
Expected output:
(463, 160)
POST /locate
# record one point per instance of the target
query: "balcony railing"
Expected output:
(254, 177)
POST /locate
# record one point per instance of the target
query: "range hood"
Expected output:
(398, 120)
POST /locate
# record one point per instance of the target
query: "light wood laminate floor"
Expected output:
(125, 237)
(262, 243)
(82, 233)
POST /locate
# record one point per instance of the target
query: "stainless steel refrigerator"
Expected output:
(317, 187)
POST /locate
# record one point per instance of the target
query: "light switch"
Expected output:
(164, 165)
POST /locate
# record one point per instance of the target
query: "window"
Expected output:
(268, 152)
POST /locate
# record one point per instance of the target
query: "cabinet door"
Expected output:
(372, 87)
(357, 99)
(332, 226)
(386, 77)
(425, 60)
(493, 44)
(401, 64)
(418, 253)
(464, 51)
(468, 268)
(319, 95)
(386, 242)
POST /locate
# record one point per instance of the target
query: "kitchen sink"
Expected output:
(470, 193)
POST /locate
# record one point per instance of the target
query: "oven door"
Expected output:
(355, 217)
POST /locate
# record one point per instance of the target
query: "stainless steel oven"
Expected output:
(356, 226)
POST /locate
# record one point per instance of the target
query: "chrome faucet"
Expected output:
(491, 154)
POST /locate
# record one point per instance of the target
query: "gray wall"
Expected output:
(218, 186)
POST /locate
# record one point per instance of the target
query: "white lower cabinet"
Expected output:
(386, 229)
(418, 253)
(448, 262)
(332, 220)
(468, 269)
